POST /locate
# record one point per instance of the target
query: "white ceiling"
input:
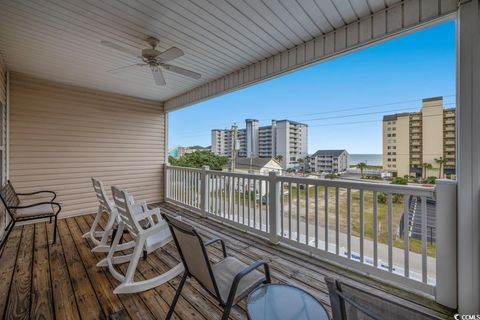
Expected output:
(60, 39)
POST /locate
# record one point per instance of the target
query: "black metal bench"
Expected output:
(21, 207)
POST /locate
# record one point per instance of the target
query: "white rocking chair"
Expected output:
(145, 239)
(100, 237)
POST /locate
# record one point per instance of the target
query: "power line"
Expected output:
(204, 133)
(361, 107)
(339, 110)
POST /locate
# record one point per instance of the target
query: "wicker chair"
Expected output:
(229, 280)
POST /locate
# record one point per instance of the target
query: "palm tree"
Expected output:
(441, 164)
(362, 166)
(279, 158)
(425, 167)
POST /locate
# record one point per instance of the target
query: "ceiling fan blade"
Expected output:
(170, 54)
(126, 67)
(119, 48)
(158, 77)
(182, 71)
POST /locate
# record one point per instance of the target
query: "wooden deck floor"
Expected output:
(61, 281)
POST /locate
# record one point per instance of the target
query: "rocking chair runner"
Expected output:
(100, 237)
(145, 239)
(229, 280)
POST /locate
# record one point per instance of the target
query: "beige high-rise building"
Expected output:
(411, 140)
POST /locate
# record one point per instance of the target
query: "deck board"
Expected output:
(42, 280)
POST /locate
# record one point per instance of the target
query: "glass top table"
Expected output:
(284, 302)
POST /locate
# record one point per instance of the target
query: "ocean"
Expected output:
(370, 159)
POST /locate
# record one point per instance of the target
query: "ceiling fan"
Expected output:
(155, 60)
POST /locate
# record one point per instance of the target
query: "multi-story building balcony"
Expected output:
(449, 135)
(415, 130)
(449, 142)
(450, 128)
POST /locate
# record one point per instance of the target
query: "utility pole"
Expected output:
(233, 134)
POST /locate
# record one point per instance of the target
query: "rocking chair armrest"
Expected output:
(148, 214)
(138, 208)
(215, 240)
(38, 192)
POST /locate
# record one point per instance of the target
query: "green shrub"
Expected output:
(400, 180)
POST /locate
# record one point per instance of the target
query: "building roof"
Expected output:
(292, 122)
(391, 117)
(334, 153)
(257, 163)
(432, 99)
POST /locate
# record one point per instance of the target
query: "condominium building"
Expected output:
(284, 138)
(222, 142)
(411, 140)
(332, 161)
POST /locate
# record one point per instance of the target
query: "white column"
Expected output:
(468, 157)
(446, 233)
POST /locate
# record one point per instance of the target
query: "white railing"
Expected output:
(350, 223)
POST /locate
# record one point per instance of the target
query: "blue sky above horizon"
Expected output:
(342, 100)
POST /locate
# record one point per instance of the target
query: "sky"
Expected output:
(342, 100)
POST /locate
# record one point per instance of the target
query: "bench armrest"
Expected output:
(38, 192)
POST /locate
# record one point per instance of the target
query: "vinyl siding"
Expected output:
(61, 136)
(3, 98)
(3, 81)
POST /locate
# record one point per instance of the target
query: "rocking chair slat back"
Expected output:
(125, 214)
(101, 196)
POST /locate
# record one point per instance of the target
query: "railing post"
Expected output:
(446, 242)
(166, 183)
(204, 192)
(274, 206)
